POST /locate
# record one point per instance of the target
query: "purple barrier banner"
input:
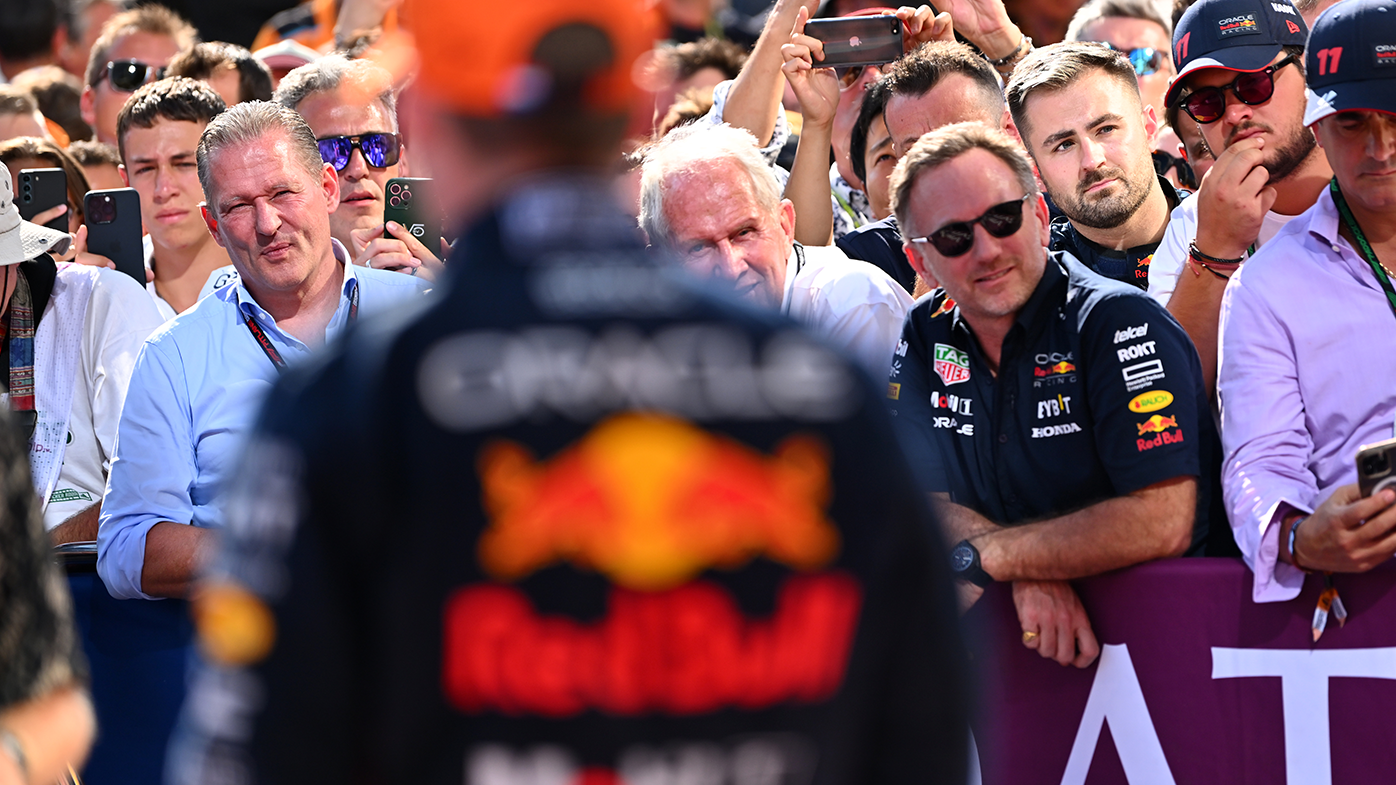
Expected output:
(1195, 684)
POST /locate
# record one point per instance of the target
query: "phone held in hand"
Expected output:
(40, 190)
(113, 219)
(857, 40)
(411, 201)
(1376, 467)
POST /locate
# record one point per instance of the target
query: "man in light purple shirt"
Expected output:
(1308, 332)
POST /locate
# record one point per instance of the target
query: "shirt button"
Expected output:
(1003, 438)
(1335, 248)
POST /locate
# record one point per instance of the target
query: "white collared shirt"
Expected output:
(851, 302)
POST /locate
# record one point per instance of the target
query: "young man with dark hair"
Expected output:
(1078, 111)
(229, 69)
(158, 130)
(1241, 77)
(133, 50)
(601, 456)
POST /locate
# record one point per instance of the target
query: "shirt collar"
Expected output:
(248, 306)
(793, 265)
(1045, 298)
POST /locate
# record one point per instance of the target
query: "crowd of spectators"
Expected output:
(1125, 278)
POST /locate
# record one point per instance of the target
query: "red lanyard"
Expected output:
(260, 335)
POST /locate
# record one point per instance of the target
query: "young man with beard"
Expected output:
(1079, 114)
(1241, 77)
(1309, 332)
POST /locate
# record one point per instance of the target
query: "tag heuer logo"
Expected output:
(952, 365)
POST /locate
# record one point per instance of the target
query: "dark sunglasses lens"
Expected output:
(1004, 219)
(335, 151)
(1255, 88)
(954, 239)
(1206, 105)
(127, 76)
(380, 150)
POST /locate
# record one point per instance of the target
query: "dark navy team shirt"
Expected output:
(1099, 393)
(1128, 266)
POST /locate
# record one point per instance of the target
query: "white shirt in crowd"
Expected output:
(852, 303)
(1172, 253)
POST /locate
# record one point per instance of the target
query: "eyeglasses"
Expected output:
(1208, 104)
(1146, 60)
(1001, 220)
(379, 150)
(127, 76)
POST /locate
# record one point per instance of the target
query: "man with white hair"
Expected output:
(707, 194)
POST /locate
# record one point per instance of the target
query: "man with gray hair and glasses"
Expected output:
(1056, 417)
(352, 109)
(199, 379)
(707, 194)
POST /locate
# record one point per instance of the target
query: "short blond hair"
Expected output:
(946, 144)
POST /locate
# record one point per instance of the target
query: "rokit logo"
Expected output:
(1136, 351)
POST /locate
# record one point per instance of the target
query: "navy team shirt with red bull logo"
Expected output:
(1098, 394)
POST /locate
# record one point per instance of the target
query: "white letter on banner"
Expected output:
(1304, 679)
(1116, 696)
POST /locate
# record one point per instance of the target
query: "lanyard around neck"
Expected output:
(269, 348)
(1383, 280)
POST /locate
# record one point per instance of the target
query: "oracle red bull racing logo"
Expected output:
(651, 502)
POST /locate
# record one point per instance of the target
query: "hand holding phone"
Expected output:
(1376, 467)
(113, 221)
(857, 41)
(411, 201)
(40, 190)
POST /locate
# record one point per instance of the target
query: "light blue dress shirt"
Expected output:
(195, 391)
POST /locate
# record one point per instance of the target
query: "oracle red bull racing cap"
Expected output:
(1238, 35)
(1351, 60)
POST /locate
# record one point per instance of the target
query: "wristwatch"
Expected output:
(965, 566)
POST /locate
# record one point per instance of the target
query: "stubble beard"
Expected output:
(1291, 155)
(1111, 211)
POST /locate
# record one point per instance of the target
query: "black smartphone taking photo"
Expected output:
(857, 40)
(113, 220)
(40, 190)
(411, 202)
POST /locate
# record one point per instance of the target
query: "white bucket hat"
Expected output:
(20, 240)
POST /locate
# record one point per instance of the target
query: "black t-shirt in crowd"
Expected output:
(1129, 266)
(573, 520)
(1099, 393)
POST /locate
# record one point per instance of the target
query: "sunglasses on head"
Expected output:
(1208, 104)
(1146, 60)
(1001, 220)
(128, 75)
(379, 150)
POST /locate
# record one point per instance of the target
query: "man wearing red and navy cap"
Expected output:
(1241, 77)
(1308, 327)
(632, 533)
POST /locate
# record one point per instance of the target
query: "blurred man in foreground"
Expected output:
(643, 535)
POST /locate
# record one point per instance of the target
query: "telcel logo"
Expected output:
(1151, 401)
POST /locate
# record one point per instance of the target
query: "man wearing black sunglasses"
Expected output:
(1241, 78)
(351, 107)
(1056, 417)
(133, 50)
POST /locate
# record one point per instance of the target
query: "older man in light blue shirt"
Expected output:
(201, 378)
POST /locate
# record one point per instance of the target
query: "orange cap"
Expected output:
(477, 57)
